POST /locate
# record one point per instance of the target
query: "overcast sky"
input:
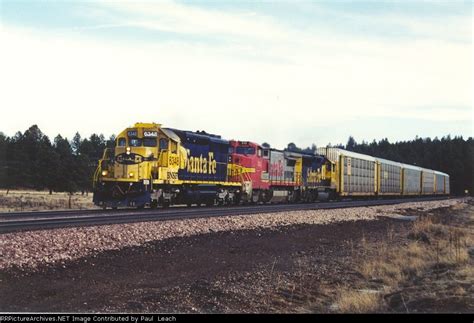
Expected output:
(307, 72)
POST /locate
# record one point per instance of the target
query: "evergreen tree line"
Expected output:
(30, 160)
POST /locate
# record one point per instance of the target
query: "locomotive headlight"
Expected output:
(130, 174)
(104, 173)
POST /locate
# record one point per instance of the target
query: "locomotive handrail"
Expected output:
(96, 176)
(105, 156)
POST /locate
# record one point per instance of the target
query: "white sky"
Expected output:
(268, 81)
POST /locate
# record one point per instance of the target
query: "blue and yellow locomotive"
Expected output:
(151, 165)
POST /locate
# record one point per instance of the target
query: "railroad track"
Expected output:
(27, 221)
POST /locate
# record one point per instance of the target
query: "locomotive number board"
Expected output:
(132, 133)
(150, 134)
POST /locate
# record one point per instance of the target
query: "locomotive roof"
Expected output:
(186, 135)
(170, 133)
(301, 154)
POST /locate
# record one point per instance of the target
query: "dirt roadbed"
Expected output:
(291, 268)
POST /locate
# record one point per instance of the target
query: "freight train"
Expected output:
(155, 166)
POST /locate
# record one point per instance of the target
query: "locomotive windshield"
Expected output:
(138, 142)
(121, 142)
(135, 142)
(245, 150)
(149, 142)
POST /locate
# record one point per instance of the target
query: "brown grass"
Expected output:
(349, 301)
(466, 272)
(434, 253)
(25, 200)
(434, 245)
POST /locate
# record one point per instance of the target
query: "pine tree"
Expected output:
(76, 143)
(67, 166)
(351, 143)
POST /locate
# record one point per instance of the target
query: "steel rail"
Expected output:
(90, 218)
(177, 208)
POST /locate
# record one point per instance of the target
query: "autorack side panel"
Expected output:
(428, 181)
(441, 183)
(357, 172)
(389, 177)
(358, 175)
(411, 180)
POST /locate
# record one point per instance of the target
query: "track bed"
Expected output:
(297, 268)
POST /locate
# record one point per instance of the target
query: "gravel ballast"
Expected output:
(29, 250)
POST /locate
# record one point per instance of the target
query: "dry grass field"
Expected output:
(29, 200)
(432, 270)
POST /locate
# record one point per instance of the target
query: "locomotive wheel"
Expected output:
(254, 199)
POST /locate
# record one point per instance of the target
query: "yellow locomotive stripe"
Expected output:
(178, 182)
(106, 179)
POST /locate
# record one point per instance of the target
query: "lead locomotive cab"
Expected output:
(144, 155)
(151, 165)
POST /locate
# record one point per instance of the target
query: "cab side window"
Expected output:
(163, 144)
(121, 142)
(173, 147)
